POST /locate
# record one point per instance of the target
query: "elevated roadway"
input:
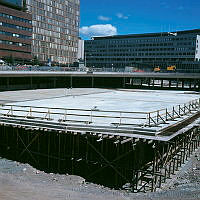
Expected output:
(99, 74)
(15, 80)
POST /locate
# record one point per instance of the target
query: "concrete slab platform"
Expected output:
(120, 109)
(104, 99)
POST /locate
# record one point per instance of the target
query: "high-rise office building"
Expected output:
(181, 48)
(15, 31)
(18, 3)
(55, 29)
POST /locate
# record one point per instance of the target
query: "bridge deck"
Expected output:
(99, 74)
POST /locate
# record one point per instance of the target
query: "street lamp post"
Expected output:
(68, 58)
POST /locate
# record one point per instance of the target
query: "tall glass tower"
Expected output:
(13, 2)
(55, 29)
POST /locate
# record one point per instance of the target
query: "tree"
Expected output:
(10, 60)
(24, 6)
(35, 61)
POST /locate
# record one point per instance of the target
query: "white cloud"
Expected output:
(121, 16)
(103, 18)
(98, 30)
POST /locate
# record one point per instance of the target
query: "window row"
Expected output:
(141, 45)
(49, 45)
(45, 4)
(93, 57)
(139, 50)
(41, 31)
(15, 18)
(141, 40)
(15, 43)
(138, 59)
(15, 35)
(15, 26)
(63, 39)
(47, 26)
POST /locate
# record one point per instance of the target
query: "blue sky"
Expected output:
(111, 17)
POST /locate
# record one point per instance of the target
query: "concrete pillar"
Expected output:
(161, 83)
(183, 84)
(170, 82)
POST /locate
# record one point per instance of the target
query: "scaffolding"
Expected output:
(113, 160)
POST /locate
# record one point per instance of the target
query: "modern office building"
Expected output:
(146, 51)
(15, 3)
(15, 31)
(55, 29)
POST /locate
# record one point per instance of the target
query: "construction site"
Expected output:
(131, 139)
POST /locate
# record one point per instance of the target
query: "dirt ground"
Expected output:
(22, 182)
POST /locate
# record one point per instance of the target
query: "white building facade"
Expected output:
(81, 49)
(197, 55)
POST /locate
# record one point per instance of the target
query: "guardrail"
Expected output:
(164, 115)
(86, 116)
(40, 68)
(96, 116)
(67, 69)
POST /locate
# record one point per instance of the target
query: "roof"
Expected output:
(195, 31)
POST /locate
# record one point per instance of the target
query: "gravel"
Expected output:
(22, 182)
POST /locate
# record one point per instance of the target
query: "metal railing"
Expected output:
(67, 69)
(163, 116)
(41, 68)
(96, 116)
(87, 116)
